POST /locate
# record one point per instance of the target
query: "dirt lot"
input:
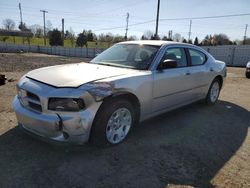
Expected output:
(196, 145)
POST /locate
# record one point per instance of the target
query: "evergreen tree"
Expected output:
(55, 38)
(196, 41)
(82, 39)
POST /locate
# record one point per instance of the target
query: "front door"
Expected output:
(172, 86)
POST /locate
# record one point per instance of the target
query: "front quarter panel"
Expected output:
(138, 84)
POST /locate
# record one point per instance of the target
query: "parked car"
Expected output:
(248, 70)
(102, 100)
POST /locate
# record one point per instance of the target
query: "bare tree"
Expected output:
(9, 24)
(148, 35)
(49, 26)
(177, 37)
(37, 30)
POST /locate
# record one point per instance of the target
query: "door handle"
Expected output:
(188, 73)
(211, 69)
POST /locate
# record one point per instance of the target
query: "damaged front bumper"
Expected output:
(71, 127)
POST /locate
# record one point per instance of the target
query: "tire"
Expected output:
(247, 74)
(113, 122)
(213, 92)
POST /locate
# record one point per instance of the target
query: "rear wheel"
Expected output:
(247, 74)
(113, 122)
(213, 92)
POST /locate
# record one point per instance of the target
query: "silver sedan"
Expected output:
(100, 101)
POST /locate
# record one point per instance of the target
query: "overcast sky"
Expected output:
(102, 16)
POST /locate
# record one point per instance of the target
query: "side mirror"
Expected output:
(167, 64)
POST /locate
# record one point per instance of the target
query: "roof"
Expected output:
(150, 42)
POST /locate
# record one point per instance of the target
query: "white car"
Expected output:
(102, 100)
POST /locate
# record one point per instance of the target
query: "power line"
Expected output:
(205, 17)
(170, 19)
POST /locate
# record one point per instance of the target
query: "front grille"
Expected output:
(30, 100)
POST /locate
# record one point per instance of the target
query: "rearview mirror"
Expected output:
(168, 64)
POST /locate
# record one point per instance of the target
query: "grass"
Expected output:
(40, 42)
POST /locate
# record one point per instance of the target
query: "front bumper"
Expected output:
(64, 127)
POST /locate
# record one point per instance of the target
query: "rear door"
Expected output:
(199, 71)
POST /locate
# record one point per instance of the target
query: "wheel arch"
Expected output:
(132, 98)
(220, 79)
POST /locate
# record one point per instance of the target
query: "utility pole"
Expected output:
(21, 16)
(44, 32)
(170, 34)
(157, 20)
(63, 31)
(189, 33)
(245, 34)
(126, 34)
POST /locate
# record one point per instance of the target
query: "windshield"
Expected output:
(133, 56)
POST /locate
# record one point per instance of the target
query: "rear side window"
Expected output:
(197, 57)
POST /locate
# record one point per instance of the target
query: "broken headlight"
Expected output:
(66, 104)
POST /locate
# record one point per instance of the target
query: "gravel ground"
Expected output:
(195, 146)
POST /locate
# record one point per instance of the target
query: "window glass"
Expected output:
(197, 58)
(177, 54)
(133, 56)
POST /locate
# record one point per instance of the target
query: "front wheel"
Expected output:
(113, 122)
(213, 92)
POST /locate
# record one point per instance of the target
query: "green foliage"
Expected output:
(82, 40)
(23, 27)
(196, 41)
(55, 38)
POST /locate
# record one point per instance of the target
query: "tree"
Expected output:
(9, 24)
(82, 40)
(71, 36)
(90, 35)
(55, 38)
(23, 27)
(190, 41)
(196, 41)
(207, 41)
(39, 33)
(164, 38)
(133, 37)
(184, 40)
(247, 41)
(37, 30)
(118, 38)
(221, 39)
(48, 27)
(147, 35)
(177, 37)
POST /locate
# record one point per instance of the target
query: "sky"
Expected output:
(103, 16)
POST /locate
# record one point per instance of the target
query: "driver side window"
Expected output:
(177, 54)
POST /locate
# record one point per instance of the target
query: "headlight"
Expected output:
(66, 104)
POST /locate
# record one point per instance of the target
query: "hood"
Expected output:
(74, 75)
